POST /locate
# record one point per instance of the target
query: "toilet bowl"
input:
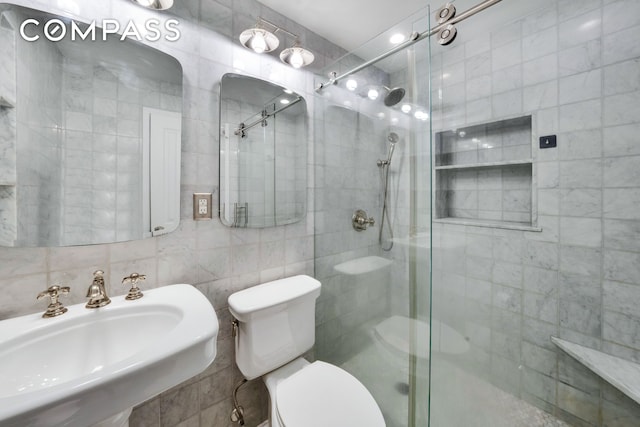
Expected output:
(275, 324)
(319, 394)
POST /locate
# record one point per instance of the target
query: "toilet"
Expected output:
(275, 327)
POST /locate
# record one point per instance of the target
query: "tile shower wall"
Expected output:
(574, 66)
(348, 301)
(218, 260)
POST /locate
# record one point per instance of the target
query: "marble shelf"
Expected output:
(473, 222)
(363, 265)
(622, 374)
(485, 165)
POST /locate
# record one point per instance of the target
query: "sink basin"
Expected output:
(87, 365)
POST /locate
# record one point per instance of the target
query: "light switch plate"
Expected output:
(202, 206)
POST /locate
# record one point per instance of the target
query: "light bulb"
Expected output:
(351, 84)
(373, 94)
(421, 115)
(258, 43)
(296, 60)
(405, 108)
(396, 38)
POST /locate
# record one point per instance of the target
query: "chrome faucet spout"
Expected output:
(97, 293)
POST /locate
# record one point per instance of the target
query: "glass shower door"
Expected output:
(371, 138)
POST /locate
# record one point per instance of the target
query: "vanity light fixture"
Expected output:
(155, 4)
(297, 56)
(260, 39)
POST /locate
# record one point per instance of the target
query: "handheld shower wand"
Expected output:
(393, 139)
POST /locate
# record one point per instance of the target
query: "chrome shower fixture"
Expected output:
(393, 97)
(384, 165)
(448, 33)
(393, 139)
(445, 31)
(260, 39)
(445, 13)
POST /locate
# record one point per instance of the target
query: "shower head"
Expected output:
(394, 96)
(393, 139)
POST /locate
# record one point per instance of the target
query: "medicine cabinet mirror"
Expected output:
(263, 153)
(89, 136)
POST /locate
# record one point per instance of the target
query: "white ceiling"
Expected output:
(346, 23)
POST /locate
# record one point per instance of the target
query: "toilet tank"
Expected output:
(276, 323)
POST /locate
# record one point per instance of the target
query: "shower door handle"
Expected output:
(360, 220)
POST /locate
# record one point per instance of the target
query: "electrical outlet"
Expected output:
(202, 206)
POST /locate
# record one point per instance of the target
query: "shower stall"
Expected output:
(476, 194)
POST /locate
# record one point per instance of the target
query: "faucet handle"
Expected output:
(55, 307)
(98, 275)
(134, 292)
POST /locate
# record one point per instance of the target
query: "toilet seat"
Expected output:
(322, 395)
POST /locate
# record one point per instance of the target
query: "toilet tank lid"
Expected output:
(270, 294)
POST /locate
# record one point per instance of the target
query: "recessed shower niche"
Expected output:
(484, 174)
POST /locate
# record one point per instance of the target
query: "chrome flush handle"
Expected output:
(55, 307)
(134, 292)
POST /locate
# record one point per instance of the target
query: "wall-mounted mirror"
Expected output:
(263, 153)
(89, 136)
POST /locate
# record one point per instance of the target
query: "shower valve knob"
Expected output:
(360, 220)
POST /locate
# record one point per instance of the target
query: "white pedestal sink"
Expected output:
(91, 365)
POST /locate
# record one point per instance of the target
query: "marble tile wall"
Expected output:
(8, 214)
(218, 260)
(7, 115)
(38, 141)
(102, 122)
(573, 67)
(349, 144)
